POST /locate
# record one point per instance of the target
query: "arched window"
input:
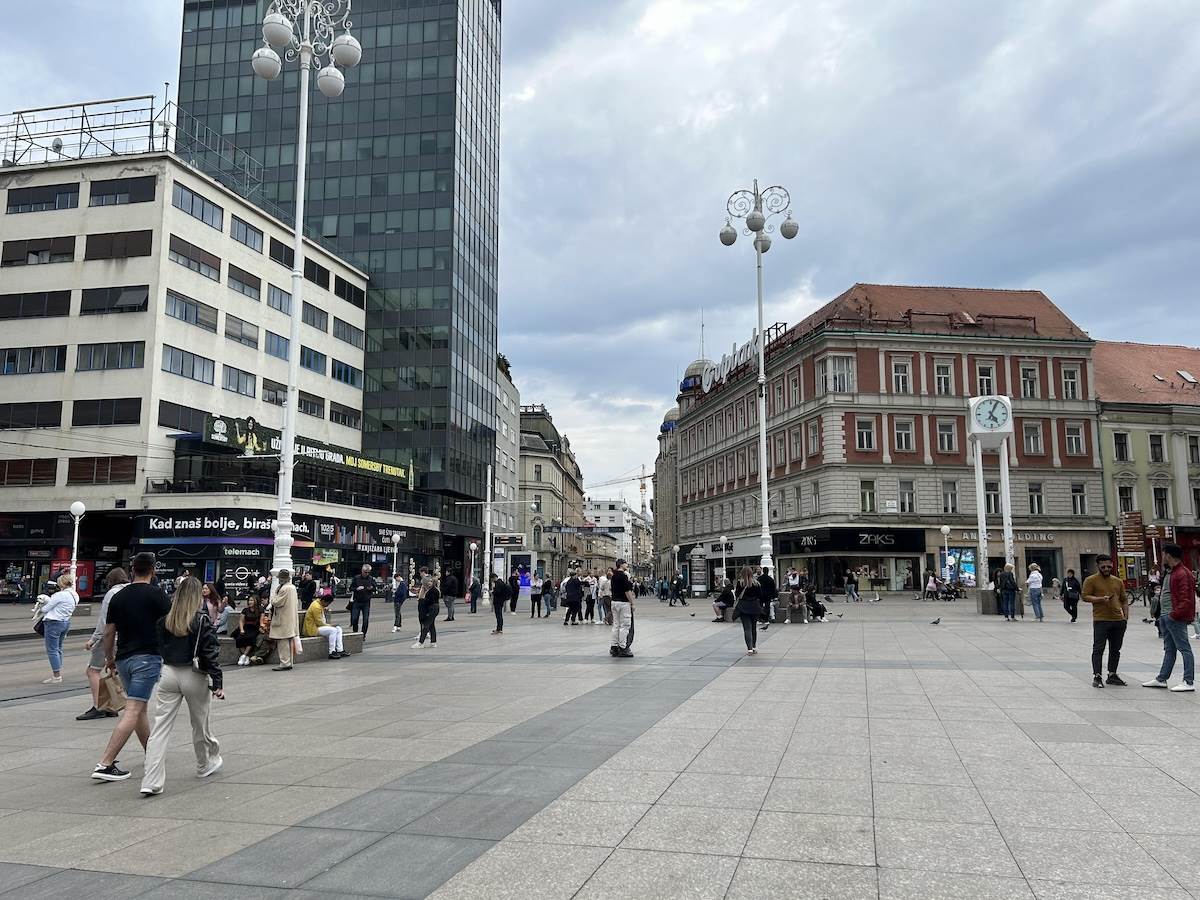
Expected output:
(537, 535)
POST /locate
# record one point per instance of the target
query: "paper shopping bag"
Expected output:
(111, 695)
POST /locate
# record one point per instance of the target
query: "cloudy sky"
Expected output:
(1051, 145)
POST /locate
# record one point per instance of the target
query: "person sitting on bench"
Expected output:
(723, 602)
(316, 624)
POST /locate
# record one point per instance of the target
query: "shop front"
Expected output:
(738, 552)
(883, 559)
(1055, 551)
(36, 548)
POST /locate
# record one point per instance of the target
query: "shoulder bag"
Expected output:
(737, 603)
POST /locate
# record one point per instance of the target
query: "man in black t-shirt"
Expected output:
(449, 595)
(131, 647)
(622, 611)
(362, 588)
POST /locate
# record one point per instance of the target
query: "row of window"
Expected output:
(80, 470)
(109, 192)
(48, 413)
(172, 415)
(1160, 497)
(1156, 448)
(947, 437)
(906, 501)
(89, 358)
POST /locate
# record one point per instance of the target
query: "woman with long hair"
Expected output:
(113, 582)
(185, 638)
(749, 606)
(212, 601)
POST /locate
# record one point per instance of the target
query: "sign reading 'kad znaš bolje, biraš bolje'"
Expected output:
(737, 357)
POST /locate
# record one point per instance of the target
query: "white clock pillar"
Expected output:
(990, 427)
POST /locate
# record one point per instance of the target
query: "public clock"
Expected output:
(991, 414)
(989, 420)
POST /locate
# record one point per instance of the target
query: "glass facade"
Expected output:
(403, 180)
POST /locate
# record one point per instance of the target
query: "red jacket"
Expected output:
(1183, 594)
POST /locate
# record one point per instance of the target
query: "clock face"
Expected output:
(991, 414)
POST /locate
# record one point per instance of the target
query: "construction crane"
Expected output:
(625, 479)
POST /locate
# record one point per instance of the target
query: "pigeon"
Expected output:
(937, 621)
(693, 615)
(839, 615)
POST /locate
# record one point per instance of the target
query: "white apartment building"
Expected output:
(617, 514)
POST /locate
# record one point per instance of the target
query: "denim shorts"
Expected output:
(139, 673)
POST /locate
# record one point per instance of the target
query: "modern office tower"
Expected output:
(403, 179)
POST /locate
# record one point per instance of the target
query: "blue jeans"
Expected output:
(139, 673)
(55, 632)
(1175, 639)
(1008, 600)
(1035, 597)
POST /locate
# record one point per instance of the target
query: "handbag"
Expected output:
(110, 695)
(196, 667)
(737, 603)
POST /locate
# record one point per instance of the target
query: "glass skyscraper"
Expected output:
(403, 179)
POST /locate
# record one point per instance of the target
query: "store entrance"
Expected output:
(1049, 560)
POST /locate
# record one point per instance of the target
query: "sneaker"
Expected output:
(335, 655)
(1114, 678)
(718, 620)
(395, 629)
(53, 679)
(418, 646)
(1154, 683)
(281, 668)
(243, 660)
(212, 769)
(92, 713)
(109, 773)
(1097, 681)
(1183, 687)
(433, 646)
(626, 654)
(150, 792)
(614, 651)
(342, 654)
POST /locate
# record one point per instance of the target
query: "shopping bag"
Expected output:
(111, 695)
(297, 646)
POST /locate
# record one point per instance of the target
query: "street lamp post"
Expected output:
(724, 568)
(757, 208)
(304, 29)
(395, 554)
(474, 547)
(946, 542)
(77, 511)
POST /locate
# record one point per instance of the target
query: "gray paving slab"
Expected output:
(384, 811)
(847, 840)
(756, 879)
(471, 815)
(637, 874)
(76, 884)
(289, 858)
(400, 865)
(15, 875)
(907, 884)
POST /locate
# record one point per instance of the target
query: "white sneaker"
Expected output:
(433, 646)
(244, 660)
(53, 679)
(212, 769)
(395, 628)
(1183, 687)
(418, 646)
(1154, 683)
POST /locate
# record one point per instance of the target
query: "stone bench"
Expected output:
(315, 649)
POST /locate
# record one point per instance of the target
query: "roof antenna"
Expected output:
(702, 332)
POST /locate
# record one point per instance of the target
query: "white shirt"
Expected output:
(1034, 581)
(102, 616)
(604, 586)
(60, 606)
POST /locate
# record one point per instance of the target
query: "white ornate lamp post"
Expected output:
(395, 553)
(77, 511)
(945, 529)
(757, 208)
(473, 547)
(724, 569)
(305, 31)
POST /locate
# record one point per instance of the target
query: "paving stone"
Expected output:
(820, 795)
(943, 847)
(588, 823)
(929, 802)
(400, 865)
(691, 829)
(905, 884)
(470, 815)
(385, 811)
(721, 791)
(630, 874)
(514, 871)
(287, 859)
(756, 879)
(1059, 855)
(815, 838)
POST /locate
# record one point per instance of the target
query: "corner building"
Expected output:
(867, 440)
(403, 178)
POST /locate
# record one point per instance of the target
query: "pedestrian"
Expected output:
(399, 595)
(1033, 581)
(572, 590)
(449, 594)
(514, 589)
(113, 582)
(852, 587)
(748, 606)
(1178, 603)
(285, 620)
(622, 611)
(500, 596)
(362, 589)
(475, 593)
(428, 599)
(1071, 591)
(56, 622)
(1006, 582)
(306, 590)
(191, 672)
(1110, 616)
(931, 588)
(793, 583)
(589, 599)
(770, 596)
(212, 601)
(317, 624)
(604, 597)
(547, 597)
(724, 600)
(131, 646)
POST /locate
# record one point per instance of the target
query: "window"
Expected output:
(903, 433)
(198, 207)
(317, 318)
(835, 374)
(126, 411)
(1079, 499)
(864, 434)
(1033, 438)
(1070, 383)
(192, 257)
(102, 470)
(120, 191)
(189, 365)
(192, 311)
(43, 414)
(119, 245)
(985, 378)
(1158, 453)
(181, 418)
(778, 395)
(908, 497)
(1029, 382)
(35, 305)
(1036, 500)
(344, 331)
(311, 405)
(991, 496)
(1125, 502)
(346, 373)
(344, 415)
(241, 331)
(866, 495)
(815, 498)
(794, 390)
(943, 379)
(1196, 499)
(28, 472)
(98, 301)
(43, 198)
(901, 378)
(947, 436)
(537, 473)
(1194, 454)
(245, 233)
(1121, 446)
(949, 497)
(1162, 503)
(279, 299)
(276, 345)
(1074, 440)
(312, 360)
(38, 251)
(797, 440)
(238, 381)
(244, 283)
(537, 503)
(814, 437)
(780, 450)
(348, 292)
(100, 357)
(274, 393)
(316, 273)
(282, 253)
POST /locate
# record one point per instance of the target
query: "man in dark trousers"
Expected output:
(678, 591)
(500, 597)
(514, 590)
(1110, 616)
(362, 588)
(770, 596)
(449, 594)
(572, 590)
(1071, 591)
(1178, 610)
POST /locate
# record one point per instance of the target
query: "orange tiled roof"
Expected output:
(1125, 373)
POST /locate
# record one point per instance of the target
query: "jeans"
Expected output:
(179, 683)
(139, 673)
(449, 604)
(1008, 601)
(750, 630)
(622, 613)
(56, 631)
(360, 609)
(398, 604)
(1175, 640)
(547, 599)
(1035, 597)
(1112, 633)
(602, 608)
(852, 593)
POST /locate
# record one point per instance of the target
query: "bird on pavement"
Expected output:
(937, 621)
(839, 615)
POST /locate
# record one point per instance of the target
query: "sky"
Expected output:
(1050, 145)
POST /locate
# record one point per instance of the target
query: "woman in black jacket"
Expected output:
(749, 606)
(186, 638)
(427, 610)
